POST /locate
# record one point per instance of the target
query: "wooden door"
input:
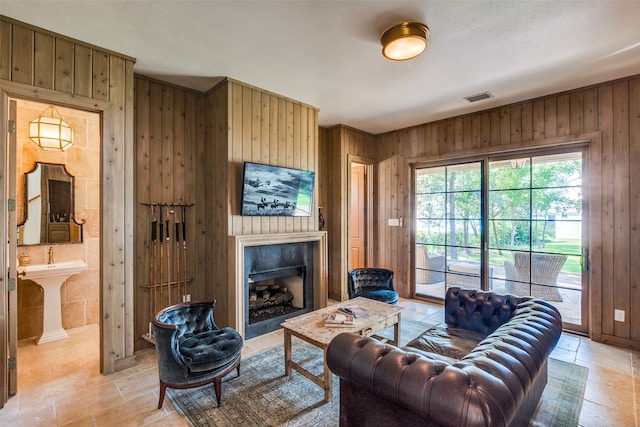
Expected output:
(358, 216)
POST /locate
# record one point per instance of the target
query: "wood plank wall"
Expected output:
(40, 65)
(608, 115)
(169, 134)
(338, 144)
(245, 123)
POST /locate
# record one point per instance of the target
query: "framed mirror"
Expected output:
(49, 207)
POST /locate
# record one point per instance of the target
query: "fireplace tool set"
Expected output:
(168, 276)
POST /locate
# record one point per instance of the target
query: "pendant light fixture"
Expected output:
(405, 41)
(50, 132)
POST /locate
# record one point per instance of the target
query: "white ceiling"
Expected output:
(327, 53)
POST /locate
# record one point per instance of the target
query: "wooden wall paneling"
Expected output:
(5, 50)
(143, 304)
(22, 55)
(274, 153)
(179, 142)
(124, 84)
(564, 114)
(516, 124)
(526, 133)
(43, 59)
(100, 75)
(550, 117)
(265, 148)
(291, 150)
(605, 109)
(82, 65)
(454, 135)
(590, 113)
(300, 133)
(253, 138)
(197, 187)
(296, 222)
(621, 166)
(215, 282)
(576, 113)
(282, 145)
(538, 120)
(486, 131)
(178, 188)
(505, 126)
(235, 183)
(335, 216)
(314, 133)
(246, 152)
(634, 200)
(66, 70)
(167, 146)
(113, 231)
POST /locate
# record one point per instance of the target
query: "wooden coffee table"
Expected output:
(310, 328)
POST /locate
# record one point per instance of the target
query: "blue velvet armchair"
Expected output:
(192, 350)
(373, 283)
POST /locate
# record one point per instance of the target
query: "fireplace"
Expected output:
(270, 262)
(278, 285)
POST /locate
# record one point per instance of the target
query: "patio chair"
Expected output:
(428, 269)
(544, 269)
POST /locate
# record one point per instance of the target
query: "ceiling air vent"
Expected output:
(479, 96)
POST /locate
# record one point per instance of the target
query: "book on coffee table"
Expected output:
(339, 320)
(355, 310)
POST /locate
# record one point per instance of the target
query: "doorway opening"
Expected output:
(510, 224)
(58, 240)
(360, 212)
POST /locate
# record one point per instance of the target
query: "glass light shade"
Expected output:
(405, 41)
(51, 133)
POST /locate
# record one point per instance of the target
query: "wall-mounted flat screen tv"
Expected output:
(276, 191)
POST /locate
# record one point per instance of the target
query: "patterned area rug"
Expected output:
(263, 396)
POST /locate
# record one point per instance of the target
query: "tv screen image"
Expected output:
(276, 191)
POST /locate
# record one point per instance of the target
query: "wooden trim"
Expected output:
(28, 92)
(470, 155)
(4, 286)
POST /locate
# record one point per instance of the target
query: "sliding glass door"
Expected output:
(525, 211)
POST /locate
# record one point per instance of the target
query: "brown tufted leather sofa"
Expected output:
(485, 366)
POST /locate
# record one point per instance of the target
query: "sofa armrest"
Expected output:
(428, 388)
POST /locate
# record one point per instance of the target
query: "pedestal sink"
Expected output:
(51, 277)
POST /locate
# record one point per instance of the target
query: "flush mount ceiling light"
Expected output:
(405, 41)
(50, 132)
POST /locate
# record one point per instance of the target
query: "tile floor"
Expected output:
(60, 385)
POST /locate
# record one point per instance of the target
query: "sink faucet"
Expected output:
(50, 261)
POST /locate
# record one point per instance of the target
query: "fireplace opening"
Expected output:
(278, 285)
(276, 293)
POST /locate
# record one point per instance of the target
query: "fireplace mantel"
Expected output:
(238, 243)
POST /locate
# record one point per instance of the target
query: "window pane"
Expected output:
(464, 177)
(507, 234)
(431, 206)
(554, 202)
(509, 204)
(430, 180)
(464, 205)
(430, 231)
(557, 170)
(507, 174)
